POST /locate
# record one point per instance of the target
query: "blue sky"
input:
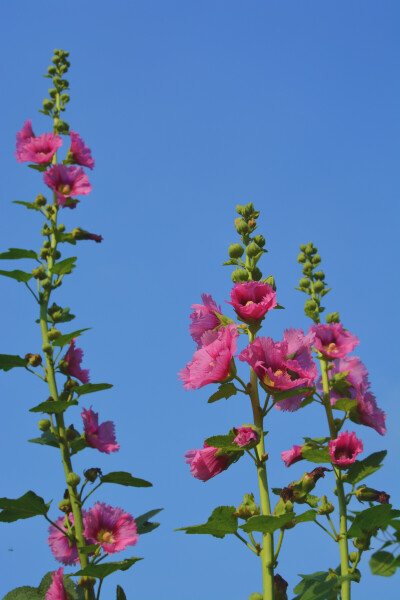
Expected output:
(191, 108)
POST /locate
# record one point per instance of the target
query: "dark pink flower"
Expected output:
(333, 341)
(67, 181)
(98, 436)
(56, 590)
(203, 318)
(81, 154)
(73, 360)
(368, 413)
(39, 150)
(81, 234)
(292, 456)
(245, 436)
(62, 548)
(111, 528)
(26, 132)
(344, 449)
(211, 363)
(252, 300)
(205, 464)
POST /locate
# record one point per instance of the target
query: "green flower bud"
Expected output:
(310, 305)
(44, 424)
(253, 249)
(40, 200)
(58, 124)
(34, 359)
(92, 474)
(242, 227)
(87, 582)
(303, 247)
(319, 275)
(53, 334)
(256, 274)
(45, 230)
(301, 258)
(365, 493)
(44, 253)
(52, 70)
(353, 556)
(46, 244)
(47, 104)
(52, 92)
(61, 228)
(304, 282)
(316, 259)
(307, 269)
(57, 254)
(333, 318)
(362, 543)
(247, 210)
(239, 275)
(46, 284)
(64, 83)
(64, 98)
(235, 250)
(256, 596)
(39, 273)
(318, 286)
(326, 507)
(73, 479)
(260, 240)
(65, 506)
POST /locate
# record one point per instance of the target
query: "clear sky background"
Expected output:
(191, 108)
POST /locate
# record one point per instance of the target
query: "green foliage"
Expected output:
(64, 266)
(102, 570)
(361, 469)
(56, 407)
(225, 442)
(267, 523)
(16, 253)
(20, 276)
(322, 585)
(345, 404)
(68, 337)
(46, 439)
(24, 593)
(29, 205)
(317, 455)
(221, 522)
(383, 563)
(9, 361)
(124, 478)
(290, 393)
(225, 390)
(89, 388)
(28, 505)
(371, 519)
(120, 593)
(144, 525)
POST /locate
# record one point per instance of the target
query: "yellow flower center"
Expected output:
(249, 302)
(104, 536)
(64, 189)
(330, 347)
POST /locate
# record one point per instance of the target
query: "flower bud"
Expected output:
(57, 255)
(301, 258)
(303, 247)
(318, 286)
(256, 274)
(304, 282)
(39, 273)
(333, 318)
(53, 92)
(316, 259)
(53, 334)
(52, 70)
(253, 249)
(40, 200)
(252, 224)
(247, 210)
(65, 506)
(73, 479)
(61, 228)
(44, 424)
(365, 493)
(235, 250)
(71, 433)
(307, 269)
(239, 275)
(34, 359)
(92, 474)
(47, 348)
(280, 587)
(45, 230)
(353, 556)
(310, 305)
(47, 104)
(241, 226)
(64, 98)
(44, 253)
(326, 507)
(46, 283)
(362, 543)
(319, 275)
(70, 383)
(248, 508)
(260, 240)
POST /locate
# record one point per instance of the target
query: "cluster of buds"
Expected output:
(59, 97)
(313, 283)
(248, 508)
(298, 491)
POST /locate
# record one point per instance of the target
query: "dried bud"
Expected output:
(365, 493)
(53, 334)
(252, 224)
(248, 508)
(65, 506)
(70, 383)
(44, 424)
(92, 474)
(326, 507)
(34, 359)
(280, 587)
(71, 433)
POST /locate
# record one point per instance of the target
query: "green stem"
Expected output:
(279, 545)
(247, 543)
(326, 530)
(333, 527)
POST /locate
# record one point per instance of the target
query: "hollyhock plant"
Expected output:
(80, 153)
(101, 437)
(245, 436)
(205, 464)
(73, 360)
(25, 133)
(252, 300)
(368, 413)
(345, 449)
(204, 318)
(292, 456)
(212, 362)
(39, 150)
(63, 549)
(56, 590)
(333, 341)
(67, 181)
(111, 528)
(81, 234)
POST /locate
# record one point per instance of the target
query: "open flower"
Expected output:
(61, 546)
(98, 436)
(111, 528)
(212, 362)
(252, 300)
(203, 318)
(73, 360)
(205, 464)
(332, 341)
(81, 154)
(67, 181)
(56, 590)
(39, 150)
(345, 448)
(245, 436)
(292, 456)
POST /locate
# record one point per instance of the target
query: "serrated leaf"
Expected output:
(371, 519)
(64, 266)
(309, 515)
(361, 469)
(23, 593)
(56, 407)
(9, 361)
(89, 388)
(345, 404)
(143, 524)
(224, 442)
(124, 478)
(267, 523)
(225, 390)
(383, 563)
(68, 337)
(20, 276)
(28, 505)
(29, 205)
(16, 253)
(220, 523)
(102, 570)
(120, 593)
(46, 439)
(317, 455)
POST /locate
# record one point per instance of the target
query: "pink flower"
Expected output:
(81, 154)
(63, 549)
(39, 150)
(245, 436)
(211, 363)
(98, 436)
(56, 590)
(292, 456)
(368, 413)
(203, 318)
(73, 358)
(111, 528)
(252, 300)
(345, 448)
(26, 132)
(276, 371)
(67, 181)
(332, 341)
(205, 464)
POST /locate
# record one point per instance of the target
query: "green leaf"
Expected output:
(46, 439)
(9, 361)
(102, 570)
(345, 404)
(317, 455)
(231, 261)
(317, 576)
(24, 593)
(56, 407)
(371, 519)
(65, 317)
(224, 321)
(15, 253)
(120, 593)
(64, 266)
(68, 337)
(224, 442)
(89, 388)
(40, 168)
(29, 205)
(20, 276)
(267, 523)
(309, 515)
(361, 469)
(143, 524)
(291, 393)
(124, 478)
(312, 500)
(383, 563)
(78, 444)
(88, 549)
(28, 505)
(221, 522)
(225, 390)
(321, 585)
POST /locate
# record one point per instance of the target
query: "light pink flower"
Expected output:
(245, 436)
(205, 464)
(369, 414)
(211, 363)
(73, 358)
(203, 318)
(292, 456)
(56, 590)
(111, 528)
(81, 154)
(39, 150)
(67, 181)
(98, 436)
(62, 548)
(332, 341)
(344, 449)
(252, 300)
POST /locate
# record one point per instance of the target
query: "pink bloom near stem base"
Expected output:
(67, 181)
(292, 456)
(111, 528)
(332, 341)
(345, 448)
(203, 318)
(62, 548)
(101, 437)
(56, 590)
(81, 154)
(73, 360)
(252, 300)
(204, 464)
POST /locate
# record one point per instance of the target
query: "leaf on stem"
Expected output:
(29, 205)
(317, 455)
(9, 361)
(292, 392)
(345, 404)
(28, 505)
(20, 276)
(46, 439)
(224, 442)
(120, 593)
(267, 523)
(361, 469)
(221, 522)
(225, 390)
(89, 388)
(62, 340)
(371, 519)
(143, 524)
(102, 570)
(124, 478)
(56, 407)
(15, 253)
(383, 563)
(64, 266)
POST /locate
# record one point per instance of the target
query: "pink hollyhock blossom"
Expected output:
(81, 154)
(205, 464)
(368, 413)
(62, 548)
(73, 358)
(345, 448)
(252, 300)
(292, 456)
(111, 528)
(56, 590)
(67, 181)
(98, 436)
(332, 341)
(25, 133)
(211, 363)
(276, 371)
(245, 436)
(39, 150)
(203, 318)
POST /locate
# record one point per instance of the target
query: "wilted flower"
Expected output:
(333, 341)
(203, 318)
(111, 528)
(205, 464)
(73, 360)
(81, 234)
(345, 448)
(98, 436)
(252, 300)
(81, 154)
(56, 590)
